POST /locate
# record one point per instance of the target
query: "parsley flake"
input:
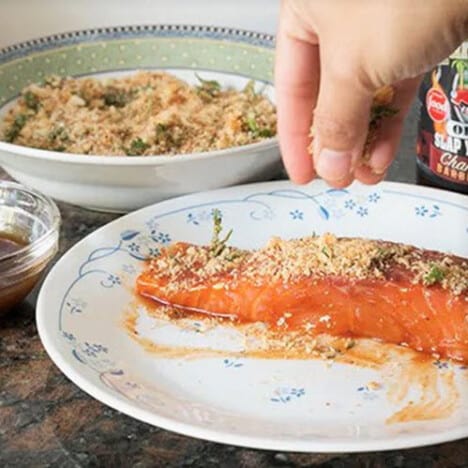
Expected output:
(435, 275)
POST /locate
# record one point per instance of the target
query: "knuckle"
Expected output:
(332, 128)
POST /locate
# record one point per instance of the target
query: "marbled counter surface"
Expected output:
(45, 420)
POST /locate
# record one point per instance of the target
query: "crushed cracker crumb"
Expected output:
(290, 260)
(147, 113)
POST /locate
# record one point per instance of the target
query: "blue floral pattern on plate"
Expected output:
(430, 211)
(370, 391)
(287, 394)
(229, 362)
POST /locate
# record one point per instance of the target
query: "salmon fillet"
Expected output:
(340, 286)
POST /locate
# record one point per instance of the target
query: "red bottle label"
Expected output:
(437, 105)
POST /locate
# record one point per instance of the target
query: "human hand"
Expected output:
(332, 56)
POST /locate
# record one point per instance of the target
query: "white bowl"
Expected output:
(121, 183)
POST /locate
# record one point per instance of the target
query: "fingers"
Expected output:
(385, 147)
(340, 125)
(297, 74)
(336, 85)
(365, 175)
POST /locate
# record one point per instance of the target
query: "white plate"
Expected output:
(300, 405)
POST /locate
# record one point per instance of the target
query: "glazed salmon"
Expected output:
(340, 286)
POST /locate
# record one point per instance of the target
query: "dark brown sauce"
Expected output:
(10, 243)
(12, 292)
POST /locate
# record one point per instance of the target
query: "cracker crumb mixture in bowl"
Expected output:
(147, 113)
(115, 119)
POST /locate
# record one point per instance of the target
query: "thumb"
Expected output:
(340, 125)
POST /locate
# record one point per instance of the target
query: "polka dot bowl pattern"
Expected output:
(119, 183)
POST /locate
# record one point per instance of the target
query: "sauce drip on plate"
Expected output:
(403, 371)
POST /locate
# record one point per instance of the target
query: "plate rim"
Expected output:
(198, 430)
(260, 39)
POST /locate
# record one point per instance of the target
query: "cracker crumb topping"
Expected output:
(189, 266)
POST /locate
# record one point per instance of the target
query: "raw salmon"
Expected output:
(340, 286)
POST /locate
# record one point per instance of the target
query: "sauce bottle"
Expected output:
(442, 144)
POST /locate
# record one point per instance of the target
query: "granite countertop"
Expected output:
(45, 420)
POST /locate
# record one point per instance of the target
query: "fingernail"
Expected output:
(379, 170)
(381, 158)
(334, 165)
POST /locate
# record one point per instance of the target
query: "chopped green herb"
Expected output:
(115, 97)
(59, 149)
(15, 129)
(137, 147)
(165, 135)
(326, 252)
(31, 101)
(249, 88)
(218, 244)
(256, 131)
(58, 133)
(209, 88)
(161, 129)
(265, 133)
(435, 275)
(252, 124)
